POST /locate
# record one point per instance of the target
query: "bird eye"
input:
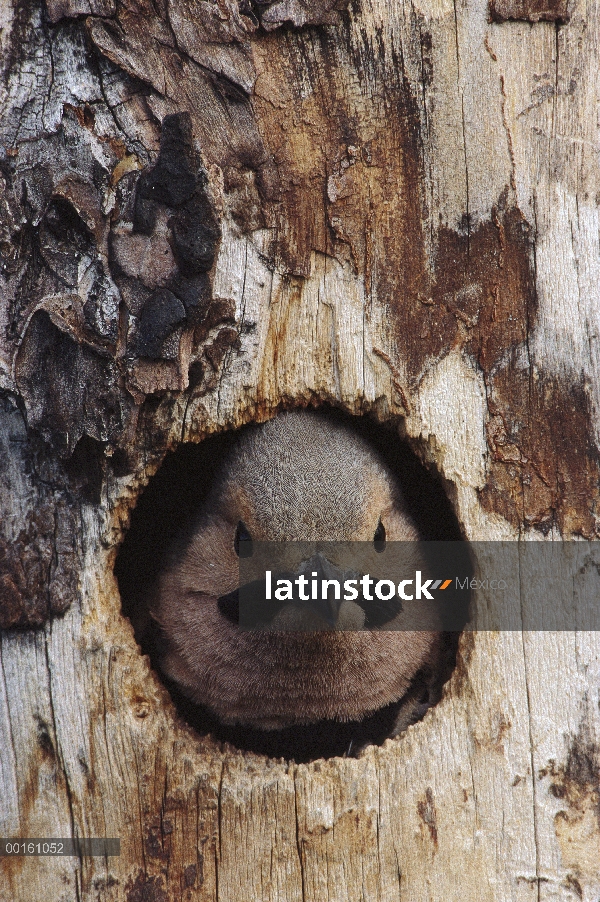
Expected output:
(242, 535)
(379, 537)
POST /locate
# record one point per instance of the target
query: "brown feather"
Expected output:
(299, 477)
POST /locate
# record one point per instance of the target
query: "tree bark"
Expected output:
(213, 210)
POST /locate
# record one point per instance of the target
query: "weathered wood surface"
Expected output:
(388, 206)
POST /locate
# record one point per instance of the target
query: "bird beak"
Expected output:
(319, 568)
(255, 609)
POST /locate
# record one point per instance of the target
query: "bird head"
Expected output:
(298, 478)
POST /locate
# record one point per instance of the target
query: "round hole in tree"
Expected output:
(303, 692)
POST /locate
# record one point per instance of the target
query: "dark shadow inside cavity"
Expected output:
(167, 509)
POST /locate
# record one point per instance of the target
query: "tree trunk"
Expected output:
(212, 210)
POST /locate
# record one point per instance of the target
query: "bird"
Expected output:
(300, 477)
